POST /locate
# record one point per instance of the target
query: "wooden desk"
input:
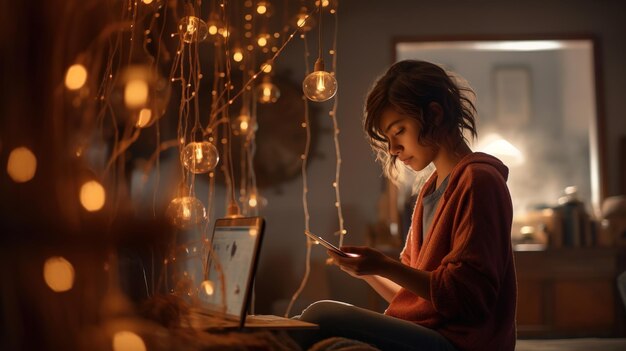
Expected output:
(570, 293)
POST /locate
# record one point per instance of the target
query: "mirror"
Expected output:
(537, 111)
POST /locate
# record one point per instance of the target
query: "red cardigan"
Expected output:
(468, 250)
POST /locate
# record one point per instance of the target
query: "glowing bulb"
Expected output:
(200, 157)
(301, 21)
(319, 86)
(58, 273)
(267, 92)
(186, 211)
(145, 115)
(128, 341)
(21, 165)
(252, 201)
(262, 41)
(147, 2)
(238, 55)
(191, 29)
(261, 8)
(207, 287)
(267, 68)
(212, 29)
(136, 93)
(92, 196)
(75, 77)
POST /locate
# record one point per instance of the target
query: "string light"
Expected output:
(58, 273)
(207, 287)
(237, 55)
(21, 165)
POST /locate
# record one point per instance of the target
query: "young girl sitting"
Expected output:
(454, 287)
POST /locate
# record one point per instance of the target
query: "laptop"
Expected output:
(225, 296)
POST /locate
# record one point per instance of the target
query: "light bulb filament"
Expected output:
(320, 83)
(198, 154)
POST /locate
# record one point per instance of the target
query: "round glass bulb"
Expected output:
(319, 86)
(200, 157)
(185, 212)
(267, 93)
(191, 29)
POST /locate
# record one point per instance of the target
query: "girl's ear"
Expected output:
(436, 112)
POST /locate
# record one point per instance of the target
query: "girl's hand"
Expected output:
(368, 262)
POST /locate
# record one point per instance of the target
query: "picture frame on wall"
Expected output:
(512, 86)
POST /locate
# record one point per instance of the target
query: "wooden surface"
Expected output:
(569, 293)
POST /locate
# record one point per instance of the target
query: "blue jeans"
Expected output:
(384, 332)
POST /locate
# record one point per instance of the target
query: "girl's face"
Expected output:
(402, 134)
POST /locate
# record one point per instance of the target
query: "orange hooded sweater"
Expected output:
(468, 250)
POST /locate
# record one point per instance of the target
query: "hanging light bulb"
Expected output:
(262, 39)
(207, 287)
(267, 92)
(141, 94)
(243, 123)
(186, 211)
(237, 54)
(191, 28)
(320, 85)
(200, 157)
(263, 8)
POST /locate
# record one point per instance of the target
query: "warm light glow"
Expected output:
(92, 196)
(324, 3)
(320, 83)
(147, 2)
(252, 201)
(185, 211)
(267, 92)
(238, 56)
(207, 287)
(145, 115)
(319, 86)
(267, 68)
(58, 273)
(212, 29)
(21, 165)
(253, 232)
(75, 77)
(261, 8)
(200, 157)
(192, 29)
(301, 20)
(499, 147)
(262, 41)
(128, 341)
(136, 93)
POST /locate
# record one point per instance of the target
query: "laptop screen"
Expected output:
(231, 264)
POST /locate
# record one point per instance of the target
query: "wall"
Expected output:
(366, 31)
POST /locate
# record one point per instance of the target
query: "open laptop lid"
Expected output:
(231, 266)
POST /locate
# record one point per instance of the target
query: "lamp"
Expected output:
(320, 85)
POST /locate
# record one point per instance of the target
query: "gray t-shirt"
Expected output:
(430, 202)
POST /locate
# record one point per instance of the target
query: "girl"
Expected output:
(454, 287)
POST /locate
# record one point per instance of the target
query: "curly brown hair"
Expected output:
(409, 87)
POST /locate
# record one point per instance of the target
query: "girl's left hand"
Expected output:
(368, 262)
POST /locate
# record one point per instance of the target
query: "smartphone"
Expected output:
(330, 246)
